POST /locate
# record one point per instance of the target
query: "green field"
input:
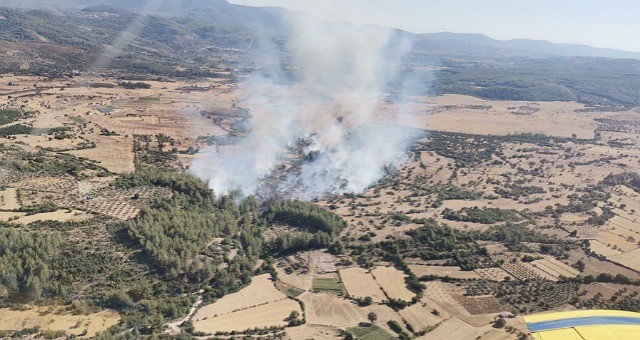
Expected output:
(327, 284)
(372, 332)
(289, 290)
(8, 116)
(77, 119)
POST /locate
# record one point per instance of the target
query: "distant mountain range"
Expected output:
(517, 47)
(213, 38)
(268, 19)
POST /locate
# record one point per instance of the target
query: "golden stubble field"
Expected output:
(56, 319)
(465, 114)
(258, 305)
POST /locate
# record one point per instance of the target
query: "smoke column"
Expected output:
(341, 73)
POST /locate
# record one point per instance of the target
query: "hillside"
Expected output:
(192, 38)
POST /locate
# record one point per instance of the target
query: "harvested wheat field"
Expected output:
(391, 280)
(330, 310)
(553, 118)
(114, 153)
(555, 268)
(59, 215)
(629, 259)
(315, 332)
(44, 318)
(261, 291)
(258, 305)
(270, 314)
(359, 283)
(301, 281)
(455, 328)
(603, 249)
(442, 271)
(423, 314)
(9, 199)
(612, 239)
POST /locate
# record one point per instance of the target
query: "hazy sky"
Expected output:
(612, 23)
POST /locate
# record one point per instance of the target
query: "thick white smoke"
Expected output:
(329, 112)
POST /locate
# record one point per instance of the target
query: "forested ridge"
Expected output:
(25, 263)
(315, 227)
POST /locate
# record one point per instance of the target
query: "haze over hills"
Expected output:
(521, 47)
(211, 38)
(193, 37)
(268, 19)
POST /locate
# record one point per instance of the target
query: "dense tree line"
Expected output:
(433, 241)
(305, 216)
(513, 235)
(134, 85)
(25, 260)
(300, 241)
(316, 226)
(478, 215)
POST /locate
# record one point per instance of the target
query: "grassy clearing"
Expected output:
(292, 292)
(372, 332)
(289, 290)
(327, 284)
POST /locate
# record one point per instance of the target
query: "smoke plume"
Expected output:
(316, 126)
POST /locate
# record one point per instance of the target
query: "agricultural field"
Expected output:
(555, 268)
(261, 291)
(259, 305)
(56, 319)
(327, 283)
(360, 283)
(315, 332)
(330, 310)
(391, 280)
(370, 333)
(494, 274)
(619, 238)
(424, 314)
(261, 316)
(443, 271)
(458, 329)
(58, 215)
(9, 199)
